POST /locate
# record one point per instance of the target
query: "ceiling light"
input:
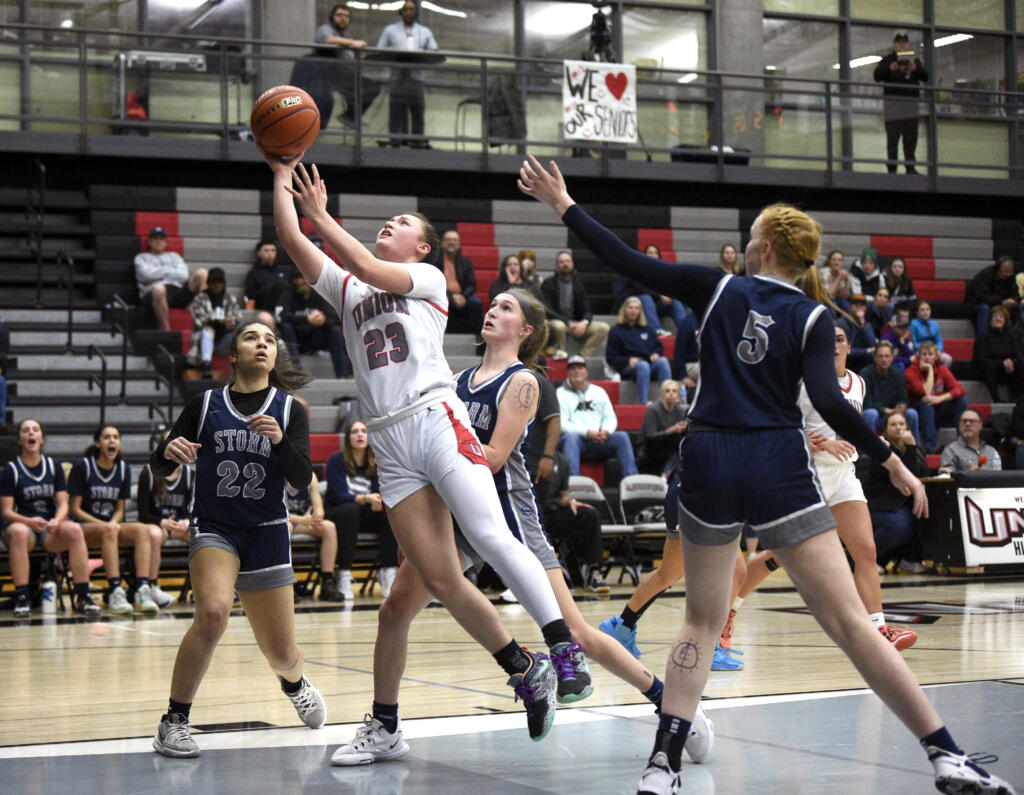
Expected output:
(865, 60)
(955, 38)
(688, 78)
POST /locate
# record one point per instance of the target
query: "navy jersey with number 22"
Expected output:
(239, 480)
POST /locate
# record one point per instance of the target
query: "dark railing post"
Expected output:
(67, 260)
(93, 350)
(224, 101)
(37, 206)
(357, 98)
(829, 165)
(125, 328)
(170, 386)
(83, 94)
(485, 126)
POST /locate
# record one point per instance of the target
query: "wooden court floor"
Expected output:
(68, 680)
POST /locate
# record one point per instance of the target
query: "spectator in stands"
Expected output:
(569, 310)
(992, 286)
(528, 261)
(634, 351)
(309, 324)
(542, 436)
(685, 364)
(902, 342)
(355, 506)
(886, 391)
(465, 309)
(99, 485)
(835, 279)
(865, 277)
(879, 311)
(335, 32)
(891, 511)
(729, 260)
(657, 306)
(578, 524)
(34, 505)
(901, 73)
(589, 422)
(407, 85)
(968, 453)
(935, 393)
(900, 285)
(924, 329)
(306, 515)
(163, 278)
(215, 313)
(163, 506)
(862, 336)
(510, 274)
(662, 430)
(997, 357)
(265, 282)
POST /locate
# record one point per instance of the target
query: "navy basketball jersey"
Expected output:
(174, 501)
(482, 405)
(751, 353)
(239, 480)
(34, 490)
(298, 500)
(100, 489)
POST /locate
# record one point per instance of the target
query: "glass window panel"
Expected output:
(976, 63)
(471, 25)
(822, 7)
(557, 29)
(976, 14)
(796, 48)
(1020, 15)
(673, 39)
(973, 143)
(895, 10)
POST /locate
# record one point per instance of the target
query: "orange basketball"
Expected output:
(285, 121)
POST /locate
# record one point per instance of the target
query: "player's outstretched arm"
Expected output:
(307, 257)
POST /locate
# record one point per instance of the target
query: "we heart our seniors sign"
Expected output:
(599, 101)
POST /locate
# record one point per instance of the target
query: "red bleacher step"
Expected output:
(959, 349)
(323, 445)
(144, 221)
(940, 290)
(902, 245)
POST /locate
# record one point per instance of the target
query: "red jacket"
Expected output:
(945, 381)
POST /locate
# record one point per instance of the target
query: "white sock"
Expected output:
(737, 602)
(878, 619)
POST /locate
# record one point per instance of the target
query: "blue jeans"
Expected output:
(877, 421)
(653, 309)
(319, 338)
(659, 369)
(947, 413)
(618, 444)
(893, 530)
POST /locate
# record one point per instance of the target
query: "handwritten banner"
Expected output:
(599, 101)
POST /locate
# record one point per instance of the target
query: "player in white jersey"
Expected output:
(833, 459)
(394, 309)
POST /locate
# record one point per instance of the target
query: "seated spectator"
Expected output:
(935, 393)
(729, 260)
(510, 274)
(879, 311)
(309, 324)
(306, 515)
(924, 329)
(465, 310)
(997, 358)
(265, 282)
(99, 485)
(215, 313)
(634, 351)
(865, 277)
(528, 261)
(655, 305)
(589, 422)
(835, 279)
(862, 336)
(885, 391)
(968, 453)
(898, 335)
(994, 285)
(163, 504)
(891, 511)
(34, 505)
(569, 311)
(662, 430)
(355, 506)
(578, 524)
(163, 278)
(685, 364)
(900, 285)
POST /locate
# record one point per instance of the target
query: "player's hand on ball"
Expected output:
(265, 425)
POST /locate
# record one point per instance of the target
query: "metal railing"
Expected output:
(124, 328)
(36, 209)
(69, 277)
(784, 122)
(100, 381)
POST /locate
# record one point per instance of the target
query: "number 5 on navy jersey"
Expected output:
(754, 345)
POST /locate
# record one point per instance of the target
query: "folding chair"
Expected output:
(637, 493)
(618, 537)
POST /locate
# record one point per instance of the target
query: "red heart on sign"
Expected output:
(617, 84)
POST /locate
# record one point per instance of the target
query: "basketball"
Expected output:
(285, 121)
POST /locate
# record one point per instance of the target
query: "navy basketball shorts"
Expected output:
(762, 478)
(264, 552)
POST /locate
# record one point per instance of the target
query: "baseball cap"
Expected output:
(867, 252)
(215, 275)
(158, 231)
(858, 299)
(576, 359)
(901, 34)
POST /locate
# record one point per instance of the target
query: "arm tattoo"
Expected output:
(685, 655)
(525, 395)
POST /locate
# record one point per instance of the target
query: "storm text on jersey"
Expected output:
(242, 440)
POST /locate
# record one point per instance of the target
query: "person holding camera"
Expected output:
(901, 73)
